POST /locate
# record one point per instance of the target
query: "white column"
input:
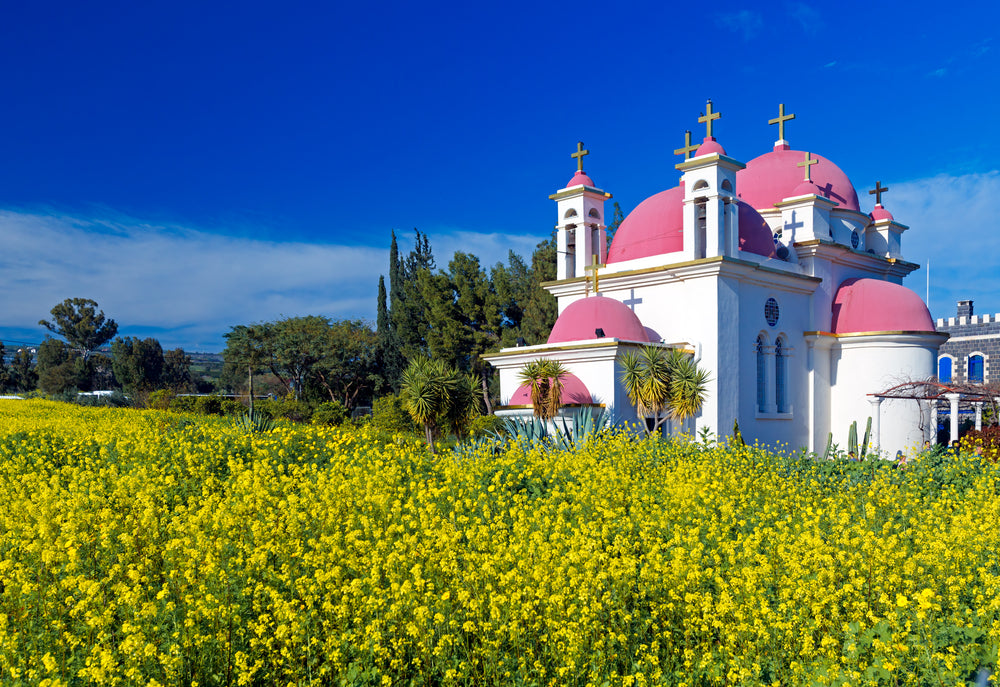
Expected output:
(934, 422)
(979, 416)
(953, 398)
(876, 439)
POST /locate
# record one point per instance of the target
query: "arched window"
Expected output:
(570, 213)
(780, 372)
(594, 213)
(944, 370)
(975, 368)
(761, 375)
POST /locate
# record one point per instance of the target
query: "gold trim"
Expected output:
(533, 350)
(703, 160)
(849, 335)
(785, 203)
(574, 190)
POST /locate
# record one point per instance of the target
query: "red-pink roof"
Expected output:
(581, 318)
(709, 146)
(656, 227)
(580, 178)
(873, 305)
(573, 391)
(880, 213)
(774, 176)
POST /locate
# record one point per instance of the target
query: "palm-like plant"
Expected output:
(437, 396)
(545, 378)
(662, 384)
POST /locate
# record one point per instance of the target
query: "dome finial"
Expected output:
(708, 117)
(878, 191)
(780, 121)
(580, 152)
(808, 162)
(688, 148)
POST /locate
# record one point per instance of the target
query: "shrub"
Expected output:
(209, 405)
(329, 413)
(485, 425)
(230, 406)
(388, 414)
(988, 438)
(184, 404)
(161, 400)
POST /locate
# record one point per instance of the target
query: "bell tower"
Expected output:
(580, 232)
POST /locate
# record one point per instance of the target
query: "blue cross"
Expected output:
(633, 301)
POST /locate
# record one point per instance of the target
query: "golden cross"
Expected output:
(594, 265)
(707, 118)
(580, 152)
(878, 191)
(688, 148)
(807, 163)
(780, 121)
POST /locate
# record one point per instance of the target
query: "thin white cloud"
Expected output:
(952, 220)
(807, 17)
(745, 22)
(190, 284)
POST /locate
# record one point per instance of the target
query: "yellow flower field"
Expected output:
(140, 547)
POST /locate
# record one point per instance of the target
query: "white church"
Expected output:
(769, 273)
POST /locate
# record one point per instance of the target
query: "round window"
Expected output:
(855, 239)
(771, 311)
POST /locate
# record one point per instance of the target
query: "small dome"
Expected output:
(581, 318)
(774, 176)
(580, 178)
(880, 213)
(710, 146)
(573, 391)
(807, 188)
(656, 227)
(873, 305)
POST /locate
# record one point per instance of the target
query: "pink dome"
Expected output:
(807, 188)
(580, 178)
(755, 233)
(656, 227)
(710, 146)
(573, 391)
(774, 176)
(880, 213)
(581, 318)
(873, 305)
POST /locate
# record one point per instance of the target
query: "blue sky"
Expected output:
(193, 166)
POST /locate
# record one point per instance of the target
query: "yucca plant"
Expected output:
(545, 378)
(663, 383)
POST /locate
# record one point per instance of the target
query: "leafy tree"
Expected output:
(541, 309)
(616, 221)
(177, 371)
(296, 345)
(407, 305)
(545, 378)
(512, 286)
(78, 321)
(6, 377)
(392, 361)
(137, 363)
(22, 370)
(246, 349)
(349, 369)
(663, 383)
(59, 368)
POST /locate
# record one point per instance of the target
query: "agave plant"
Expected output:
(253, 422)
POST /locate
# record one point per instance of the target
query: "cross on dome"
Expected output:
(688, 148)
(878, 191)
(808, 162)
(594, 266)
(780, 121)
(580, 152)
(708, 117)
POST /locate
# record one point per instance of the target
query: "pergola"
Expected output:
(931, 391)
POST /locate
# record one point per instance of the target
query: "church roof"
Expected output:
(573, 391)
(710, 146)
(656, 227)
(774, 176)
(873, 305)
(580, 320)
(880, 213)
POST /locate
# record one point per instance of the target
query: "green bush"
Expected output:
(287, 408)
(388, 414)
(329, 413)
(161, 400)
(230, 406)
(209, 405)
(184, 404)
(484, 425)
